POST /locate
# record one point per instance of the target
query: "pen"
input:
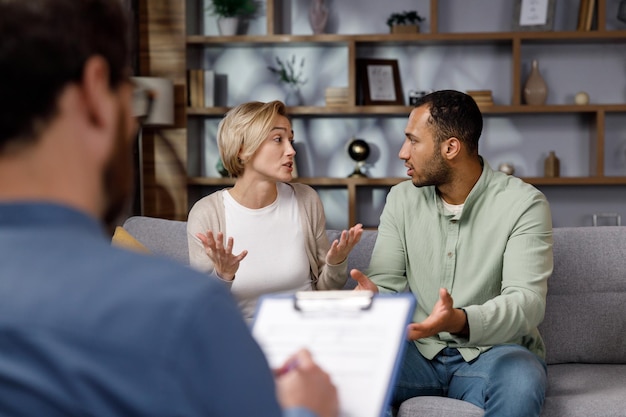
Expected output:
(287, 367)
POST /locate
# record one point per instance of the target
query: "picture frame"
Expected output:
(533, 15)
(378, 82)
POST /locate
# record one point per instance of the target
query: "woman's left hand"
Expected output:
(340, 248)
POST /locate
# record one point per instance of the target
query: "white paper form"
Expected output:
(360, 346)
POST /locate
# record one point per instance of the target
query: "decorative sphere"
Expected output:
(581, 98)
(358, 150)
(507, 168)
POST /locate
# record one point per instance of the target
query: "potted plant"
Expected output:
(291, 75)
(230, 12)
(405, 22)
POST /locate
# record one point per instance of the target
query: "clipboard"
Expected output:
(358, 337)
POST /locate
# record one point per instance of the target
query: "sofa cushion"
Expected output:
(582, 390)
(359, 258)
(584, 320)
(438, 407)
(160, 236)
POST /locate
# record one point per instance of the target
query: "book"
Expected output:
(209, 88)
(200, 87)
(590, 14)
(582, 14)
(191, 88)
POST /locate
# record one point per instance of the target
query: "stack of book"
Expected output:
(200, 88)
(481, 97)
(336, 96)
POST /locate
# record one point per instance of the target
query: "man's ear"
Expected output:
(98, 97)
(450, 148)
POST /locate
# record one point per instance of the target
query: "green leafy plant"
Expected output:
(287, 71)
(233, 8)
(405, 18)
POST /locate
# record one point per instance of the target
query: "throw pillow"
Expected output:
(123, 239)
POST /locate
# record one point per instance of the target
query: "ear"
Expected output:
(99, 99)
(450, 148)
(100, 106)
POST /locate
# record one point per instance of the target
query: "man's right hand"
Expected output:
(364, 283)
(302, 383)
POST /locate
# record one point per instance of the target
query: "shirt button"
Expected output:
(453, 221)
(449, 254)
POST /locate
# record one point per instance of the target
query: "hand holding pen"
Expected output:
(300, 382)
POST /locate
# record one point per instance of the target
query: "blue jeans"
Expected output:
(507, 380)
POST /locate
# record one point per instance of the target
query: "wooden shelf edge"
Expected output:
(409, 37)
(575, 181)
(313, 181)
(391, 181)
(329, 111)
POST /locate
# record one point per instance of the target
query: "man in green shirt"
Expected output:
(475, 247)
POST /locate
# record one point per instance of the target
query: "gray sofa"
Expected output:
(584, 327)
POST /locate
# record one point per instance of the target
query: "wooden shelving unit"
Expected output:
(513, 41)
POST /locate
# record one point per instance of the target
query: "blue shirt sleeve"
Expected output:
(299, 412)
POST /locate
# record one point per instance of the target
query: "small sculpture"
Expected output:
(318, 16)
(581, 98)
(358, 150)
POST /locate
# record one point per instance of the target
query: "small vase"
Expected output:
(552, 166)
(318, 16)
(535, 89)
(294, 96)
(227, 26)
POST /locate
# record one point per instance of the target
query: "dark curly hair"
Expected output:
(454, 114)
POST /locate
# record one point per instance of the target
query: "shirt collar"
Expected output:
(43, 214)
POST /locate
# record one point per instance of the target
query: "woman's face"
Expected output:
(274, 158)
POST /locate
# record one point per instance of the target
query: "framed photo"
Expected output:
(378, 81)
(533, 15)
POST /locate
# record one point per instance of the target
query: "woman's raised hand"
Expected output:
(224, 262)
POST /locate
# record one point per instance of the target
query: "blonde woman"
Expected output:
(265, 235)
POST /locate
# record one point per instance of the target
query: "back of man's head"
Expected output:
(44, 46)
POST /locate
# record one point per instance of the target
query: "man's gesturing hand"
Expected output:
(443, 318)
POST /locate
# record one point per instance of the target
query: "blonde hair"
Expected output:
(242, 131)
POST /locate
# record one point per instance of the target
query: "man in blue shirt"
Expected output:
(85, 328)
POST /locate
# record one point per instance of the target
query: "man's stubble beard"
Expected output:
(118, 176)
(436, 173)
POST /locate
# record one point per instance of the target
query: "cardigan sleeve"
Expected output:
(323, 275)
(203, 216)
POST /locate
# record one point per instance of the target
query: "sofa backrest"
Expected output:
(359, 258)
(585, 319)
(163, 237)
(169, 238)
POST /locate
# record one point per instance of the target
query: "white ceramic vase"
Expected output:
(227, 26)
(294, 96)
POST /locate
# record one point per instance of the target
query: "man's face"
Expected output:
(118, 172)
(421, 155)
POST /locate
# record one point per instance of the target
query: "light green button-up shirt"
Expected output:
(494, 258)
